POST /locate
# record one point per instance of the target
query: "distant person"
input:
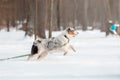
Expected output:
(107, 30)
(113, 28)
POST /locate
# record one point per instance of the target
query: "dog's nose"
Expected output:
(77, 33)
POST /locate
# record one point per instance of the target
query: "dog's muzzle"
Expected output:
(75, 33)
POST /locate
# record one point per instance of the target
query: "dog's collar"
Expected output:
(66, 38)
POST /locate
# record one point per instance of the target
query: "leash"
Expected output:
(14, 57)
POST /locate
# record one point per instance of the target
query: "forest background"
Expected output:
(36, 16)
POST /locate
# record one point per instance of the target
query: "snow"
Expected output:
(97, 58)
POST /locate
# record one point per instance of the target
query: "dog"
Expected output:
(61, 43)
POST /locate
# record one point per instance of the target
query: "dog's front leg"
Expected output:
(42, 55)
(65, 53)
(71, 47)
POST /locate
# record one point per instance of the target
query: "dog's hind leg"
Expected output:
(30, 56)
(42, 55)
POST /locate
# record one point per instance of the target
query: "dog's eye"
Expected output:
(68, 29)
(71, 31)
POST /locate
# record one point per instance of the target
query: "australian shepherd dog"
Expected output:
(42, 47)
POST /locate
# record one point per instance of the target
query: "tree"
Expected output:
(51, 19)
(41, 19)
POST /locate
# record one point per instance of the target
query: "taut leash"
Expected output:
(14, 57)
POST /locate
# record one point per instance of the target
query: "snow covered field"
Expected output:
(97, 58)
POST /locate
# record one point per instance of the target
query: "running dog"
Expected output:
(42, 47)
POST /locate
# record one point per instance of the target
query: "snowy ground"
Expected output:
(97, 58)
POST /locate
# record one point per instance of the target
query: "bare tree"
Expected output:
(41, 19)
(82, 13)
(51, 19)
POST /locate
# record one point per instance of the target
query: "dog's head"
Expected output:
(71, 32)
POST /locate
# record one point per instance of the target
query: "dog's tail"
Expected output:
(34, 49)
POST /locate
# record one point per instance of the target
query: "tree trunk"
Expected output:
(84, 18)
(58, 14)
(41, 19)
(51, 19)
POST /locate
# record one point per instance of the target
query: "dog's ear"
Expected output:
(68, 29)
